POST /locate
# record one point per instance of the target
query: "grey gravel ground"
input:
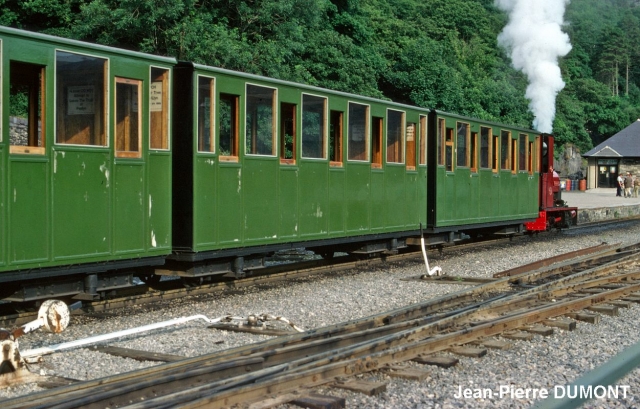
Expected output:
(333, 298)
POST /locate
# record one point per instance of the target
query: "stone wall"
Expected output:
(630, 165)
(568, 162)
(607, 213)
(19, 132)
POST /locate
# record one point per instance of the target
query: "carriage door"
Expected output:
(28, 165)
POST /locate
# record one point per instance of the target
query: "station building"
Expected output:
(617, 155)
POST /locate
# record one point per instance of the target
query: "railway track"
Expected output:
(515, 300)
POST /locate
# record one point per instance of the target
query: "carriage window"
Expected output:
(159, 109)
(462, 144)
(81, 84)
(473, 154)
(128, 131)
(228, 126)
(411, 145)
(522, 160)
(314, 114)
(26, 107)
(358, 128)
(485, 146)
(441, 141)
(206, 105)
(260, 121)
(530, 159)
(395, 136)
(514, 155)
(376, 142)
(495, 161)
(448, 151)
(335, 138)
(423, 140)
(504, 149)
(288, 133)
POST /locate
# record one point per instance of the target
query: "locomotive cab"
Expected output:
(554, 212)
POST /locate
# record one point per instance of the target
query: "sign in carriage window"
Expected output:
(128, 118)
(206, 105)
(395, 136)
(26, 108)
(358, 144)
(81, 99)
(159, 109)
(260, 124)
(314, 127)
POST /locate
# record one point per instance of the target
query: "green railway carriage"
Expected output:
(263, 164)
(484, 177)
(85, 163)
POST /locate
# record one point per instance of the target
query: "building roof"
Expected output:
(625, 143)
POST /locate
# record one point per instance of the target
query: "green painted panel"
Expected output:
(260, 187)
(380, 200)
(159, 175)
(3, 209)
(337, 209)
(130, 207)
(288, 220)
(314, 199)
(29, 230)
(413, 214)
(358, 182)
(229, 207)
(81, 203)
(204, 199)
(396, 192)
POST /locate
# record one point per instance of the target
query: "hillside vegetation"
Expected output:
(434, 53)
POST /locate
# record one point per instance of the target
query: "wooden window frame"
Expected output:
(423, 128)
(125, 153)
(288, 111)
(514, 155)
(411, 134)
(366, 133)
(336, 128)
(495, 154)
(473, 152)
(251, 131)
(234, 123)
(449, 162)
(212, 118)
(465, 138)
(36, 118)
(441, 141)
(164, 74)
(505, 154)
(398, 148)
(377, 126)
(99, 122)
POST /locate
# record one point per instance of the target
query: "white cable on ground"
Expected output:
(436, 270)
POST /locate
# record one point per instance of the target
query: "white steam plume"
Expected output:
(535, 41)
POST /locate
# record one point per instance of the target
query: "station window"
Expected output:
(395, 136)
(159, 109)
(314, 120)
(81, 95)
(260, 120)
(288, 133)
(206, 105)
(522, 150)
(505, 136)
(462, 143)
(411, 145)
(423, 140)
(26, 105)
(128, 132)
(358, 132)
(228, 121)
(441, 141)
(485, 147)
(473, 152)
(335, 138)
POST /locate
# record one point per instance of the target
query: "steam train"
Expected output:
(117, 165)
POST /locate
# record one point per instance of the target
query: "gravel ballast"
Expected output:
(544, 363)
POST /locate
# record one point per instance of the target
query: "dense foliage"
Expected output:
(435, 53)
